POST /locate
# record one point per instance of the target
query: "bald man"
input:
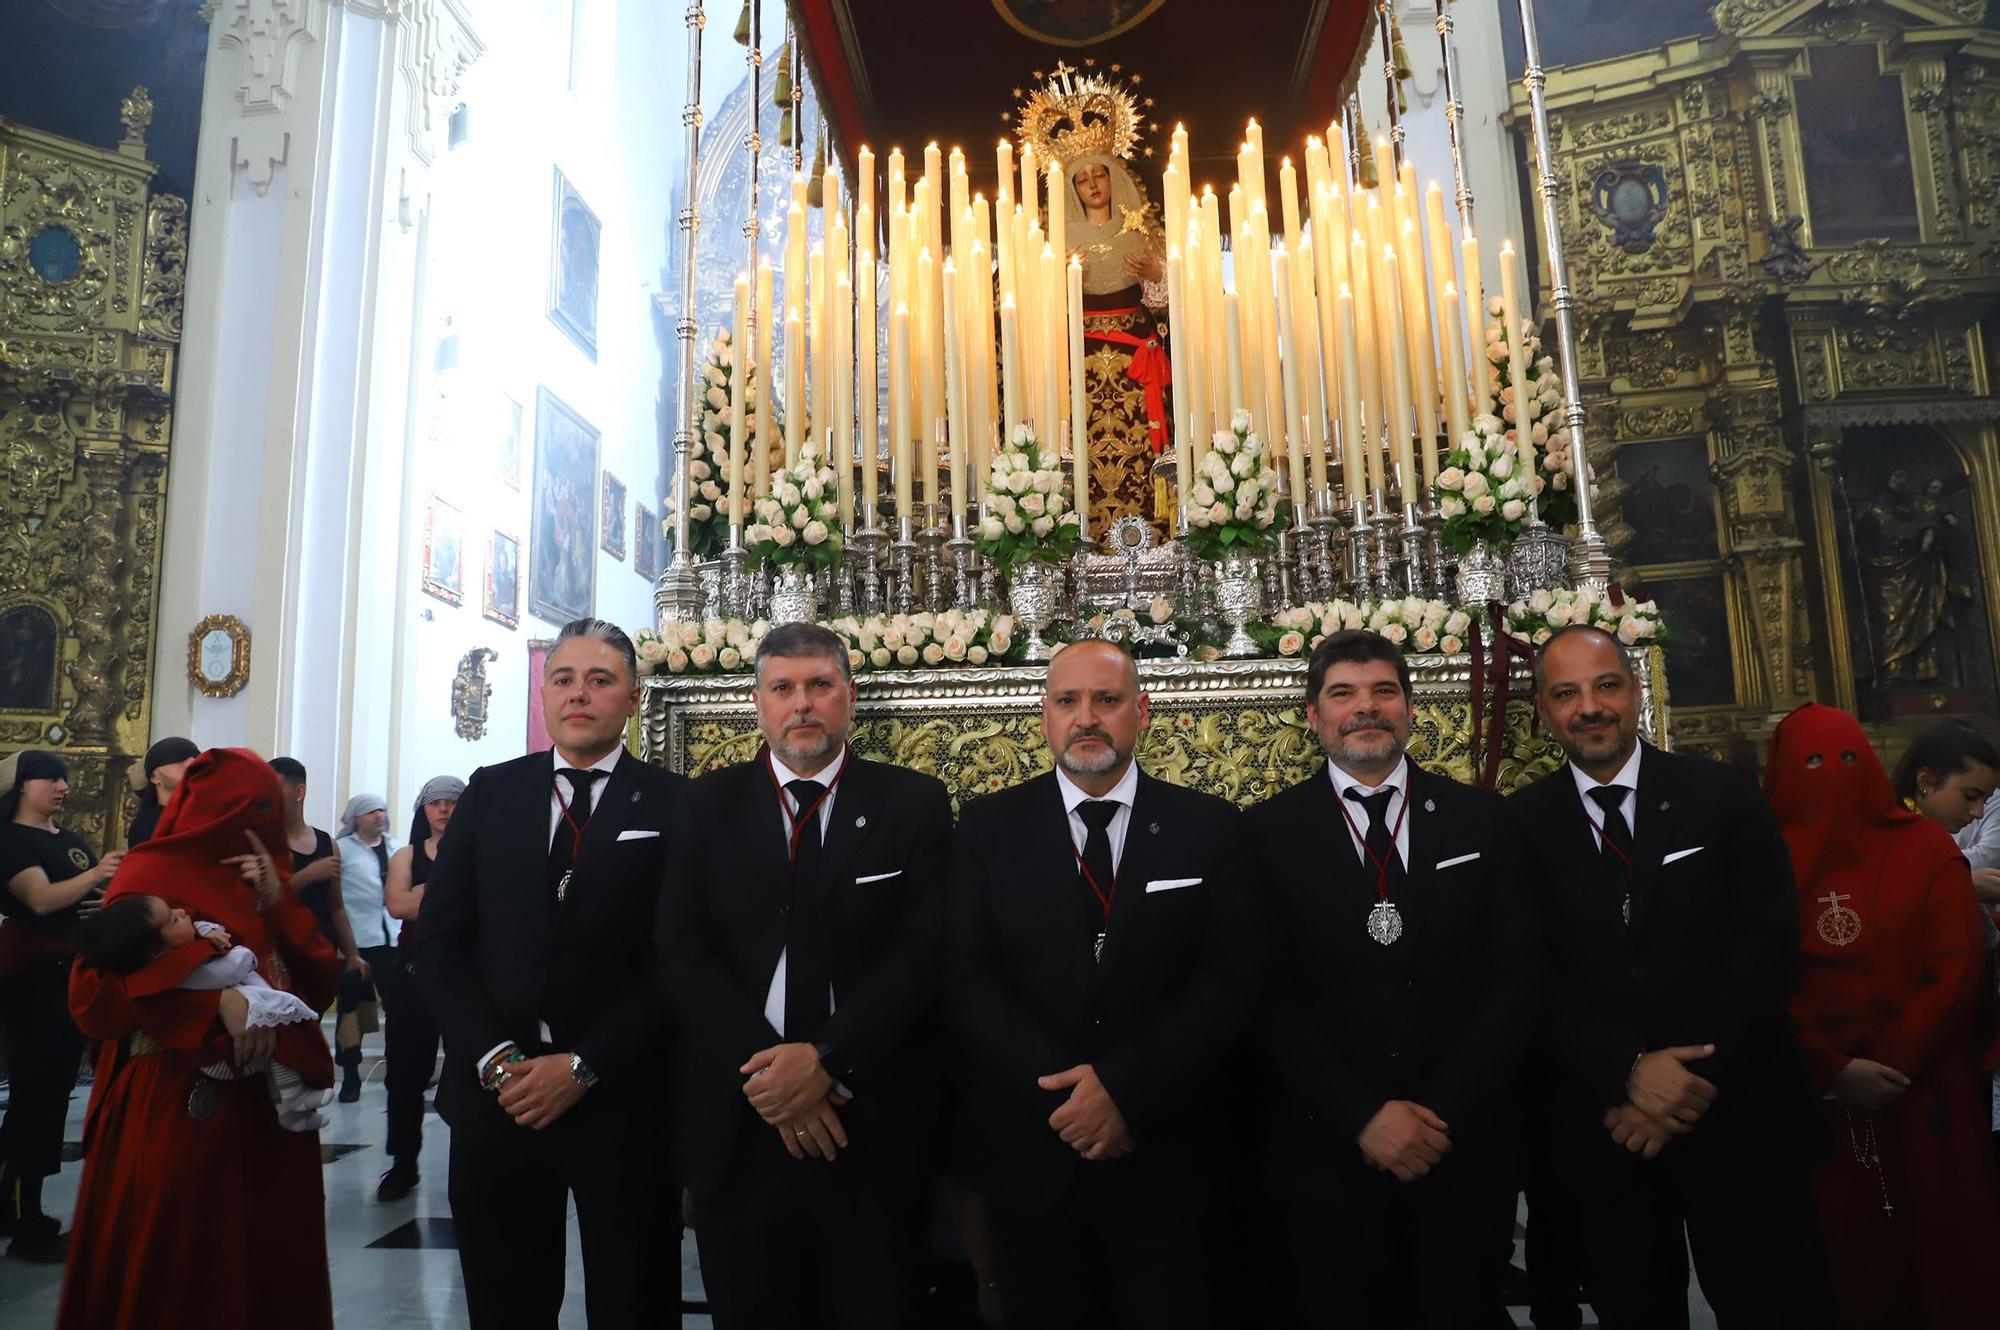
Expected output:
(1099, 965)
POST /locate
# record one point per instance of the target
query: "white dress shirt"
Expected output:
(1357, 813)
(1122, 794)
(1981, 842)
(1628, 777)
(774, 996)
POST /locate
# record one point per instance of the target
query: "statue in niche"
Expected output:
(1900, 537)
(28, 646)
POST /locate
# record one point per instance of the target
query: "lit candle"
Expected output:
(1232, 340)
(1058, 212)
(1294, 441)
(1030, 193)
(1475, 320)
(866, 392)
(899, 407)
(840, 388)
(1191, 380)
(1079, 424)
(1457, 420)
(1288, 202)
(738, 391)
(930, 379)
(1003, 165)
(1366, 345)
(954, 390)
(1423, 365)
(763, 396)
(864, 187)
(1010, 368)
(817, 410)
(1052, 359)
(1183, 433)
(1353, 423)
(795, 383)
(1443, 275)
(1400, 426)
(1517, 356)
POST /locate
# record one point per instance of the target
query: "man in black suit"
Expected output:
(1099, 963)
(799, 943)
(1402, 993)
(534, 952)
(1674, 1092)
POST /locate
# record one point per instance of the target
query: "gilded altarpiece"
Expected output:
(91, 283)
(1782, 290)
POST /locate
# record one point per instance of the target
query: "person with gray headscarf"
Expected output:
(410, 1043)
(365, 847)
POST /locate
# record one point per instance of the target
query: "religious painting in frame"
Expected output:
(1669, 501)
(562, 540)
(444, 551)
(1701, 669)
(573, 266)
(611, 523)
(503, 579)
(538, 660)
(30, 652)
(645, 542)
(1854, 137)
(507, 443)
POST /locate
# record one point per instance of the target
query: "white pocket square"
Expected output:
(1171, 883)
(1681, 854)
(1461, 859)
(879, 877)
(637, 835)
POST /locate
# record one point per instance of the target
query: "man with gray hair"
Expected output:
(533, 949)
(798, 944)
(1099, 961)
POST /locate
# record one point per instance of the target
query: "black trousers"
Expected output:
(1743, 1207)
(410, 1048)
(1370, 1250)
(812, 1245)
(44, 1049)
(510, 1193)
(1110, 1257)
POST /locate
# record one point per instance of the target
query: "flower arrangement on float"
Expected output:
(708, 451)
(1483, 488)
(1030, 513)
(1538, 404)
(877, 642)
(1538, 617)
(1233, 506)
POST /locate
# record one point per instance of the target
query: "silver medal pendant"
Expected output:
(1838, 926)
(562, 884)
(1385, 923)
(201, 1101)
(1097, 949)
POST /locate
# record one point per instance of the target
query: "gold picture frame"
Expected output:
(219, 656)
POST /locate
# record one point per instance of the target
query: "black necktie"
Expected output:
(1381, 841)
(1097, 815)
(562, 849)
(1610, 800)
(806, 976)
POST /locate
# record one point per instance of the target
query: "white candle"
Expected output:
(738, 392)
(954, 390)
(795, 383)
(1052, 360)
(1295, 450)
(1010, 368)
(866, 391)
(899, 407)
(1351, 419)
(1079, 424)
(840, 389)
(764, 398)
(1517, 355)
(1400, 425)
(1475, 321)
(1457, 420)
(1183, 434)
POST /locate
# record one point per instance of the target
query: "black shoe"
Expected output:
(350, 1089)
(398, 1182)
(39, 1240)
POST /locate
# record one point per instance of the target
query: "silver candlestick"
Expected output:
(904, 552)
(1383, 524)
(1359, 555)
(961, 548)
(734, 587)
(868, 544)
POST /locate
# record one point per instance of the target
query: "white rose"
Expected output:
(1514, 510)
(782, 537)
(879, 658)
(1032, 504)
(933, 654)
(1291, 644)
(1451, 478)
(1457, 622)
(815, 533)
(1452, 507)
(1508, 489)
(711, 491)
(1540, 600)
(1239, 422)
(1396, 633)
(1219, 513)
(1000, 505)
(1475, 485)
(976, 654)
(677, 660)
(1002, 643)
(1558, 615)
(906, 655)
(1159, 611)
(1023, 436)
(701, 656)
(1224, 443)
(990, 528)
(1483, 505)
(1451, 644)
(1020, 482)
(700, 512)
(1203, 496)
(1016, 525)
(954, 648)
(1043, 525)
(800, 518)
(1426, 639)
(1243, 463)
(1045, 481)
(1646, 628)
(1628, 631)
(1223, 483)
(699, 470)
(813, 488)
(729, 658)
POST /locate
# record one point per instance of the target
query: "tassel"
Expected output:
(1369, 177)
(742, 33)
(781, 86)
(816, 182)
(1399, 54)
(785, 125)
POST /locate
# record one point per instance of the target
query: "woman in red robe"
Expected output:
(197, 1208)
(1889, 985)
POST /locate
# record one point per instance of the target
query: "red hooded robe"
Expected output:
(1893, 967)
(196, 1207)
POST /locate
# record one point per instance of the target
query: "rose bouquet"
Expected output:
(1233, 504)
(798, 522)
(1030, 515)
(1538, 618)
(1482, 490)
(1539, 403)
(708, 453)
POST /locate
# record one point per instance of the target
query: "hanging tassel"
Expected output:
(785, 125)
(1399, 54)
(816, 182)
(742, 33)
(1367, 174)
(781, 86)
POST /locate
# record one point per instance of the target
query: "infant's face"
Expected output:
(176, 925)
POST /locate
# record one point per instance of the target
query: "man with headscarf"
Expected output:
(1893, 967)
(154, 780)
(364, 845)
(197, 1208)
(1110, 226)
(48, 878)
(410, 1044)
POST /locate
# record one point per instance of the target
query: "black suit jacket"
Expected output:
(1710, 954)
(1157, 1017)
(721, 929)
(497, 955)
(1441, 1016)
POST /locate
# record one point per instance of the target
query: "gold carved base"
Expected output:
(1234, 728)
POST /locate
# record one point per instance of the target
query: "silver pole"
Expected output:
(1384, 17)
(679, 595)
(1454, 114)
(755, 143)
(1590, 561)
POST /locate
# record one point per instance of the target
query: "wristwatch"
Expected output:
(580, 1072)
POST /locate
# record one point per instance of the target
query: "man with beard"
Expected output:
(534, 951)
(1402, 994)
(1673, 1084)
(798, 940)
(1100, 954)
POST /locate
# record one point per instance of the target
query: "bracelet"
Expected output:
(495, 1075)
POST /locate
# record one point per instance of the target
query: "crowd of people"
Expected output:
(1163, 1062)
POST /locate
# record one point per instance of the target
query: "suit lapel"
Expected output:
(1135, 869)
(531, 831)
(760, 830)
(857, 812)
(609, 815)
(1655, 815)
(1426, 826)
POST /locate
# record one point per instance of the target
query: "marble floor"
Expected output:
(394, 1266)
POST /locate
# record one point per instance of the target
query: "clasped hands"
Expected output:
(795, 1094)
(1406, 1139)
(1088, 1121)
(1663, 1099)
